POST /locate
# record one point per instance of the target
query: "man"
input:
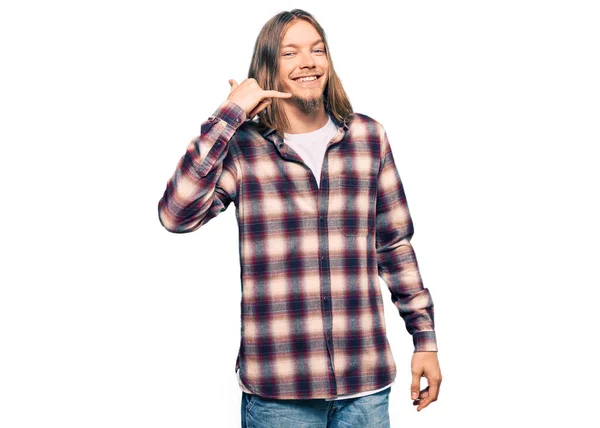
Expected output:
(322, 212)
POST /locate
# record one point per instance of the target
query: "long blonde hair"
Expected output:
(264, 68)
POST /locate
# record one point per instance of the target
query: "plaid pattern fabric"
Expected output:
(312, 316)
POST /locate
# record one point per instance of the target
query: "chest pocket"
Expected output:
(355, 189)
(355, 195)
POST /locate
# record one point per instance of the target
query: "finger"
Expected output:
(233, 84)
(434, 387)
(432, 394)
(415, 386)
(276, 94)
(260, 107)
(423, 394)
(424, 403)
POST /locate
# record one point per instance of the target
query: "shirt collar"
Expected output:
(344, 126)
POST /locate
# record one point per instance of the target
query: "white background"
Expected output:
(492, 109)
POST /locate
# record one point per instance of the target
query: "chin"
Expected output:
(308, 96)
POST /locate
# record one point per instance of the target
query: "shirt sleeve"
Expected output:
(205, 181)
(396, 259)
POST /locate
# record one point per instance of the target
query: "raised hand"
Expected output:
(251, 97)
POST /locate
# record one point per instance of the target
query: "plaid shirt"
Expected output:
(312, 316)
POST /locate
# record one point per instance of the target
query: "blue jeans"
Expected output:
(369, 411)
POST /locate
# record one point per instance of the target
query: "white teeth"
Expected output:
(307, 79)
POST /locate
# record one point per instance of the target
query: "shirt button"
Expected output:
(237, 119)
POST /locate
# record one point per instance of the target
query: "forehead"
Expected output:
(300, 33)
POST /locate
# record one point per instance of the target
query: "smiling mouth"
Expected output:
(306, 82)
(312, 79)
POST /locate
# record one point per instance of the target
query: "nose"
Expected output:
(306, 59)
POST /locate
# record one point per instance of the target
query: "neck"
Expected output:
(302, 122)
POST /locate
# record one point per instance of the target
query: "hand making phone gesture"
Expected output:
(251, 97)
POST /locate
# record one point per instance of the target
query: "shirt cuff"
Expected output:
(231, 113)
(425, 341)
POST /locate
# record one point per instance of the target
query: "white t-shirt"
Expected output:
(311, 147)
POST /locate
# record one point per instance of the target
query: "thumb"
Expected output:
(415, 386)
(233, 84)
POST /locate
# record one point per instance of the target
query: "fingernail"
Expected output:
(414, 395)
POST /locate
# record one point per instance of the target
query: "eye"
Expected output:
(292, 53)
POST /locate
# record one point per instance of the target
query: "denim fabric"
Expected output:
(370, 411)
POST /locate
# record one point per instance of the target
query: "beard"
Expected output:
(308, 105)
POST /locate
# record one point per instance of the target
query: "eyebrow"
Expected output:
(295, 46)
